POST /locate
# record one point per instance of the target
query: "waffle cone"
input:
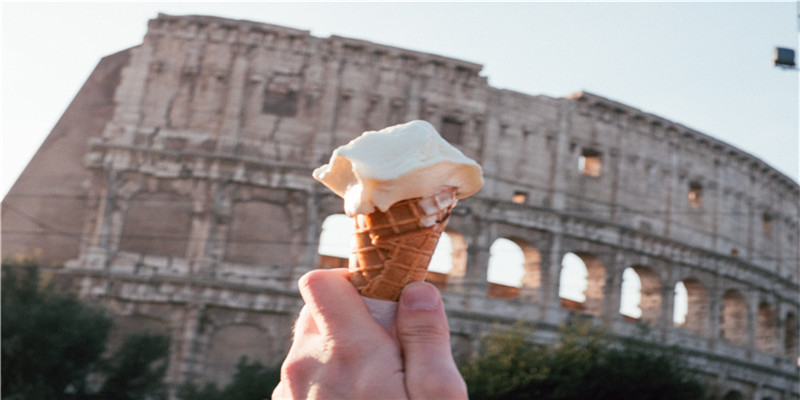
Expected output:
(394, 248)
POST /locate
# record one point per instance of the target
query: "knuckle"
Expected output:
(424, 334)
(309, 280)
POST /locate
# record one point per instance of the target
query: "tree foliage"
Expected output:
(53, 345)
(137, 369)
(582, 365)
(251, 381)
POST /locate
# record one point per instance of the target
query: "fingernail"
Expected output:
(420, 296)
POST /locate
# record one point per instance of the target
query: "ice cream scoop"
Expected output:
(400, 184)
(380, 168)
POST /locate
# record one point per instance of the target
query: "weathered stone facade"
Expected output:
(177, 190)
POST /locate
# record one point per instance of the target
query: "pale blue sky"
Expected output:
(707, 65)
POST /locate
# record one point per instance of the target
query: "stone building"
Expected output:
(176, 189)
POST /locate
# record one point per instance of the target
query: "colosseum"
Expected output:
(176, 190)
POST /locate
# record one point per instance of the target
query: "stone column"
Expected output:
(551, 273)
(231, 120)
(714, 313)
(478, 259)
(550, 270)
(612, 290)
(184, 363)
(665, 320)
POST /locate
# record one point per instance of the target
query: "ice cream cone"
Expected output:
(394, 248)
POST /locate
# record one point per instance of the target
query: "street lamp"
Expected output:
(783, 58)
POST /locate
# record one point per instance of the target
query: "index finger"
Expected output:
(334, 302)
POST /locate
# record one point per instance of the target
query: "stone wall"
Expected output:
(201, 211)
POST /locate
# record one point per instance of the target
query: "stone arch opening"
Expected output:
(581, 283)
(125, 325)
(694, 306)
(733, 326)
(765, 328)
(680, 304)
(790, 335)
(449, 259)
(630, 294)
(641, 294)
(506, 268)
(227, 347)
(260, 234)
(442, 260)
(157, 223)
(336, 241)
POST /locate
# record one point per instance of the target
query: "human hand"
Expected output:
(340, 351)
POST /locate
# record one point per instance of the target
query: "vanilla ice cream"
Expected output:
(380, 168)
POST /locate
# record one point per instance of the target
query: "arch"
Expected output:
(680, 304)
(695, 304)
(582, 282)
(641, 294)
(765, 328)
(227, 347)
(442, 260)
(157, 223)
(630, 294)
(260, 233)
(506, 268)
(449, 259)
(790, 335)
(458, 253)
(125, 325)
(733, 326)
(336, 241)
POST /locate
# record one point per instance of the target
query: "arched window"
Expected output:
(680, 303)
(691, 306)
(506, 268)
(631, 294)
(640, 294)
(336, 241)
(442, 260)
(734, 318)
(259, 234)
(158, 224)
(765, 329)
(229, 344)
(572, 282)
(582, 282)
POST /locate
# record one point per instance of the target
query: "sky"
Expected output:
(707, 66)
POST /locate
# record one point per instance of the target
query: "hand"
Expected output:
(340, 351)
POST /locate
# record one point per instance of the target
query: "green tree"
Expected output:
(52, 346)
(137, 369)
(251, 381)
(50, 340)
(584, 364)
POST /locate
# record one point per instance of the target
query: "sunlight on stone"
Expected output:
(506, 263)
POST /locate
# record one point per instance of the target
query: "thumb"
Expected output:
(424, 336)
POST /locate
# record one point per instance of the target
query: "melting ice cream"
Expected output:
(380, 168)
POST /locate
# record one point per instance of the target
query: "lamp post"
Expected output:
(784, 58)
